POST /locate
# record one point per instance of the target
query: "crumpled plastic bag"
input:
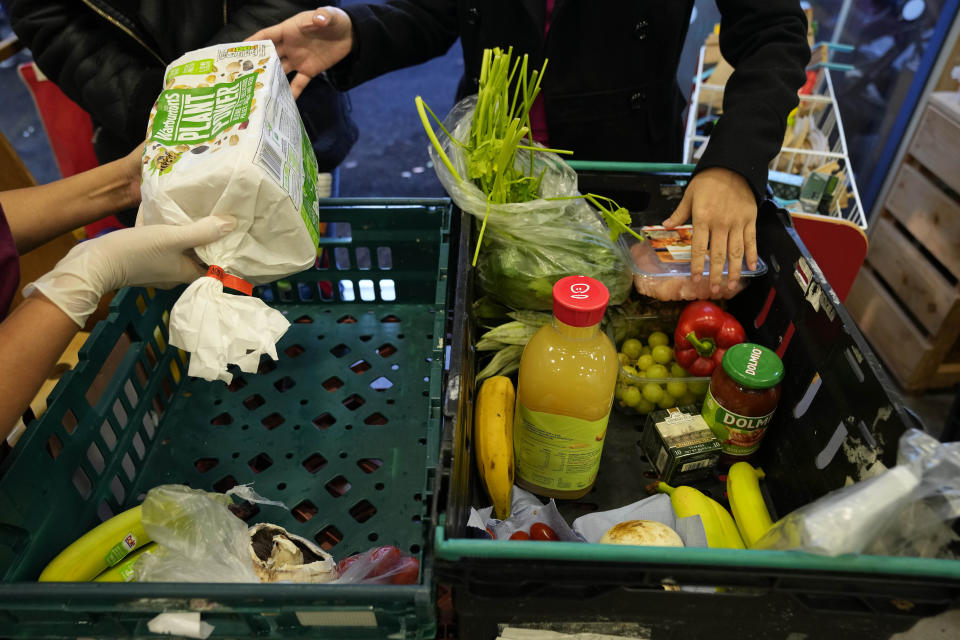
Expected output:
(903, 511)
(225, 138)
(525, 511)
(528, 246)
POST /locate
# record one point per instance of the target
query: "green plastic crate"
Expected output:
(344, 429)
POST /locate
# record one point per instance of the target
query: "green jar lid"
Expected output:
(753, 365)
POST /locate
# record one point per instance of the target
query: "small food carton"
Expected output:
(679, 445)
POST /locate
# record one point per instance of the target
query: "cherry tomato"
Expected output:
(520, 535)
(540, 531)
(407, 571)
(382, 560)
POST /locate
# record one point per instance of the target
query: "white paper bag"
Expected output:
(225, 138)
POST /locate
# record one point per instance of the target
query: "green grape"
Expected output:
(631, 396)
(667, 401)
(623, 358)
(677, 389)
(644, 406)
(676, 371)
(631, 348)
(644, 362)
(662, 354)
(688, 398)
(652, 392)
(657, 371)
(699, 387)
(658, 338)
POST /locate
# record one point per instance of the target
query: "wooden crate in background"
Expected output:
(906, 298)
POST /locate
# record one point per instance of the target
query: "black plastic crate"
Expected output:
(834, 390)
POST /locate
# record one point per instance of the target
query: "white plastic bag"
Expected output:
(225, 138)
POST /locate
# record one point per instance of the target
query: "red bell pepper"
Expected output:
(704, 333)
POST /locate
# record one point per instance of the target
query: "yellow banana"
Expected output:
(98, 549)
(493, 441)
(746, 502)
(717, 523)
(123, 570)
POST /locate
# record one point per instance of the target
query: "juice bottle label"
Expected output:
(557, 452)
(738, 435)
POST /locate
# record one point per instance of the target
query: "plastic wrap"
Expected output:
(528, 246)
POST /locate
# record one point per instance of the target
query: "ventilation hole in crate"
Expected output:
(332, 384)
(360, 366)
(373, 537)
(384, 258)
(284, 290)
(388, 290)
(245, 510)
(128, 467)
(765, 309)
(54, 446)
(347, 319)
(175, 371)
(833, 445)
(141, 374)
(224, 484)
(104, 512)
(236, 384)
(338, 486)
(328, 537)
(158, 405)
(314, 463)
(294, 350)
(149, 425)
(267, 364)
(138, 446)
(363, 511)
(151, 355)
(82, 483)
(254, 402)
(400, 336)
(390, 318)
(109, 437)
(343, 455)
(391, 401)
(141, 305)
(354, 402)
(369, 465)
(366, 338)
(304, 511)
(379, 486)
(304, 319)
(346, 291)
(304, 401)
(415, 519)
(116, 488)
(414, 548)
(245, 427)
(281, 486)
(376, 419)
(785, 340)
(260, 462)
(324, 421)
(854, 363)
(340, 350)
(305, 292)
(367, 292)
(808, 396)
(131, 393)
(417, 497)
(363, 258)
(205, 464)
(289, 456)
(273, 421)
(284, 384)
(235, 455)
(341, 258)
(222, 419)
(386, 350)
(69, 421)
(381, 384)
(422, 441)
(166, 388)
(95, 458)
(325, 290)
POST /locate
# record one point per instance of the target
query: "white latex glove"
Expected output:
(155, 255)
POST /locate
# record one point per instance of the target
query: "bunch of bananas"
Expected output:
(717, 523)
(493, 441)
(103, 553)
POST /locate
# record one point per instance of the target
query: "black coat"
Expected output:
(110, 57)
(610, 88)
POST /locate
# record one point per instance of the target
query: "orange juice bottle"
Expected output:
(567, 376)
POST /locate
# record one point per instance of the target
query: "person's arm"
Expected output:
(39, 214)
(766, 43)
(98, 66)
(362, 41)
(59, 303)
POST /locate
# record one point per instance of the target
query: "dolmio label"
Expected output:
(753, 361)
(738, 435)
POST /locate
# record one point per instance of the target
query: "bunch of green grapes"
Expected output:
(649, 377)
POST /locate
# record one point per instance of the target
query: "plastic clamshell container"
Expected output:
(695, 386)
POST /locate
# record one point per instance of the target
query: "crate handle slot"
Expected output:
(829, 451)
(808, 396)
(854, 364)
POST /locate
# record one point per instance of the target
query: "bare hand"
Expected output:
(310, 43)
(724, 214)
(132, 165)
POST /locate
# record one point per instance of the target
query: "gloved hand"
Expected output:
(154, 255)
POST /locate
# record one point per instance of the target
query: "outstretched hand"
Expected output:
(724, 218)
(310, 42)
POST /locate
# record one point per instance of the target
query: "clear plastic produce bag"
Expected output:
(528, 246)
(905, 510)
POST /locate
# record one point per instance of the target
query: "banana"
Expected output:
(98, 549)
(717, 523)
(493, 441)
(746, 502)
(123, 570)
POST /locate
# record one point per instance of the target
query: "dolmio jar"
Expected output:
(744, 392)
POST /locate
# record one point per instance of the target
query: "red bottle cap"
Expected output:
(579, 301)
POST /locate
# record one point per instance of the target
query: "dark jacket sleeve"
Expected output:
(243, 19)
(394, 35)
(103, 70)
(765, 41)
